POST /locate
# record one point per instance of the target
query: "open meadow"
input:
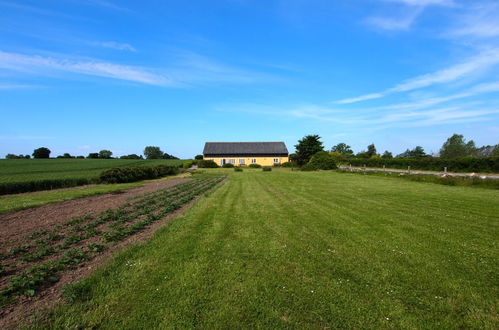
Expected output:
(288, 249)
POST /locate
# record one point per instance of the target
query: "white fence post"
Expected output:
(445, 169)
(364, 169)
(408, 170)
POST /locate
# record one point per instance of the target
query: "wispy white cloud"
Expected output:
(479, 20)
(15, 86)
(30, 63)
(472, 66)
(404, 18)
(189, 69)
(114, 45)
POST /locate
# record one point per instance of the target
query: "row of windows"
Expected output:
(242, 161)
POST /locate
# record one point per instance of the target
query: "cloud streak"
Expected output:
(472, 66)
(114, 45)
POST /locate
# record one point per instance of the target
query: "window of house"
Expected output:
(253, 161)
(232, 161)
(276, 160)
(241, 161)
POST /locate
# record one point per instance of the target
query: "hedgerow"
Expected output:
(137, 173)
(465, 164)
(36, 185)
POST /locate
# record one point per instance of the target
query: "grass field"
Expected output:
(20, 170)
(288, 249)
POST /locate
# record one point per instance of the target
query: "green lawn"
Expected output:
(286, 249)
(21, 170)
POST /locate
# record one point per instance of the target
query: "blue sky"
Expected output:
(78, 76)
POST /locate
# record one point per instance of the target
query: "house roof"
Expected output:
(245, 148)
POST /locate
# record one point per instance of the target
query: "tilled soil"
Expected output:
(16, 225)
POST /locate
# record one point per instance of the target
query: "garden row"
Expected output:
(35, 262)
(466, 164)
(112, 175)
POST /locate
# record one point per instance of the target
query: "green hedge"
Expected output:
(37, 185)
(137, 173)
(466, 164)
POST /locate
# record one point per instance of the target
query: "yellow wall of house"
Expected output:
(264, 161)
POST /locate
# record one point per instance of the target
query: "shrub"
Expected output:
(254, 165)
(238, 169)
(320, 161)
(131, 174)
(207, 164)
(36, 185)
(188, 163)
(266, 169)
(198, 157)
(288, 164)
(228, 165)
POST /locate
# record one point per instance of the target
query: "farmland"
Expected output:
(22, 170)
(286, 249)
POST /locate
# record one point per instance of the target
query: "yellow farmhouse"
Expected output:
(245, 153)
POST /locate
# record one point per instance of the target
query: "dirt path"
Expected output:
(16, 224)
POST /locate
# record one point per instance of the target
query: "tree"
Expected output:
(371, 150)
(307, 147)
(41, 153)
(456, 146)
(93, 155)
(417, 152)
(198, 157)
(153, 152)
(168, 156)
(387, 154)
(12, 156)
(105, 154)
(322, 160)
(343, 149)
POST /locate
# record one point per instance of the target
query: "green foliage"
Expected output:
(152, 152)
(131, 156)
(288, 164)
(41, 153)
(228, 165)
(105, 154)
(20, 187)
(320, 161)
(254, 165)
(266, 169)
(387, 154)
(93, 155)
(465, 164)
(238, 169)
(131, 174)
(12, 156)
(76, 292)
(371, 150)
(198, 157)
(207, 164)
(343, 149)
(188, 163)
(456, 147)
(307, 147)
(417, 152)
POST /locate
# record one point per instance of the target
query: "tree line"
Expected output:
(455, 146)
(150, 152)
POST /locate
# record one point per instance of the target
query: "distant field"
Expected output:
(306, 250)
(22, 170)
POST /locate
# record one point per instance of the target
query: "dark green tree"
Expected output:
(41, 153)
(387, 154)
(371, 150)
(198, 157)
(152, 152)
(93, 155)
(307, 147)
(343, 149)
(456, 146)
(105, 154)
